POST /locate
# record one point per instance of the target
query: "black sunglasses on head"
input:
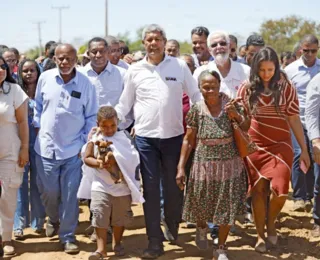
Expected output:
(213, 45)
(313, 51)
(4, 66)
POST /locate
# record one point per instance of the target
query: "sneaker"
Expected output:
(167, 234)
(152, 252)
(298, 206)
(51, 228)
(201, 238)
(190, 225)
(232, 230)
(248, 220)
(221, 253)
(71, 248)
(308, 206)
(18, 234)
(315, 230)
(8, 248)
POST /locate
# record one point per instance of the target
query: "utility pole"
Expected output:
(38, 23)
(60, 8)
(106, 19)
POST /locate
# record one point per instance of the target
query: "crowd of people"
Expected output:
(156, 128)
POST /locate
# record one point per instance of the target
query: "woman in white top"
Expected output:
(14, 150)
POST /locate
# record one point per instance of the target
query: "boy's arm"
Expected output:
(89, 159)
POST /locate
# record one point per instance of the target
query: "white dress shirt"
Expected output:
(230, 84)
(155, 93)
(109, 87)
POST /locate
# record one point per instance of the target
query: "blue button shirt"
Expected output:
(300, 75)
(65, 114)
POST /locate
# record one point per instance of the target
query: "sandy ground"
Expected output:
(295, 242)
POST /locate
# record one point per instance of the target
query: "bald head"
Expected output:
(65, 57)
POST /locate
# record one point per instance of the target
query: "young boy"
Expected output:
(111, 201)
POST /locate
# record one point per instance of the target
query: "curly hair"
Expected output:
(276, 84)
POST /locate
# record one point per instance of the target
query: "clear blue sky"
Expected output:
(85, 19)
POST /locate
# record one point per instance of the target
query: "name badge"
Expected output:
(76, 94)
(171, 79)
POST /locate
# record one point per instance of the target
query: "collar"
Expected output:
(167, 58)
(300, 62)
(75, 79)
(108, 68)
(233, 73)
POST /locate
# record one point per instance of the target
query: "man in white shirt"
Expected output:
(107, 78)
(232, 73)
(154, 88)
(114, 53)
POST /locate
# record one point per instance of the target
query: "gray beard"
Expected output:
(221, 59)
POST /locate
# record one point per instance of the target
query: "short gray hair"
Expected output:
(153, 28)
(216, 34)
(112, 40)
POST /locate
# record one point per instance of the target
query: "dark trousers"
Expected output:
(160, 157)
(302, 184)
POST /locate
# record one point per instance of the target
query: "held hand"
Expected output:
(92, 132)
(181, 178)
(23, 157)
(132, 132)
(231, 110)
(316, 151)
(304, 161)
(128, 58)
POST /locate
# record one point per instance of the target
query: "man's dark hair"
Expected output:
(233, 38)
(175, 42)
(106, 112)
(287, 55)
(97, 39)
(15, 51)
(255, 40)
(48, 45)
(200, 30)
(310, 39)
(52, 50)
(124, 49)
(50, 64)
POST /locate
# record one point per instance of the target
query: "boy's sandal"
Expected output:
(119, 250)
(96, 256)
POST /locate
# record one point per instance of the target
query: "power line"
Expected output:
(106, 19)
(60, 8)
(38, 23)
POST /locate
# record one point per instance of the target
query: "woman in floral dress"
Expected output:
(217, 182)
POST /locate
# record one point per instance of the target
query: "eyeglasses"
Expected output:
(11, 61)
(4, 66)
(222, 44)
(313, 51)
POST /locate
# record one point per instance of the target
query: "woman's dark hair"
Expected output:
(287, 55)
(256, 85)
(20, 79)
(9, 77)
(205, 73)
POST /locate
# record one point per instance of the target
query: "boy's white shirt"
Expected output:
(127, 158)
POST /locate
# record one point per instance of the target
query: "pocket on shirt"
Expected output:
(74, 105)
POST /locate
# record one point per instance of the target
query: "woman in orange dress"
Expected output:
(274, 108)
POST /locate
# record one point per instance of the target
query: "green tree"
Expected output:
(284, 33)
(32, 53)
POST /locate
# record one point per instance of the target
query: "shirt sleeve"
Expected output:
(192, 118)
(312, 108)
(38, 104)
(292, 107)
(127, 97)
(19, 96)
(90, 111)
(190, 85)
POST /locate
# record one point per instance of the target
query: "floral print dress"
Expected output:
(217, 184)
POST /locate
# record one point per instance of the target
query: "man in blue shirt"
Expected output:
(300, 73)
(65, 111)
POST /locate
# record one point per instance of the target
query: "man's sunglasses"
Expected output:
(4, 66)
(313, 51)
(223, 44)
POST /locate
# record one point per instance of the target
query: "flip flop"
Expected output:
(95, 256)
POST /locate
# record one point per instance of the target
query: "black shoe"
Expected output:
(51, 228)
(71, 248)
(152, 253)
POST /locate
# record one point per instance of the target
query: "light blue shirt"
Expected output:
(300, 75)
(65, 114)
(109, 85)
(313, 108)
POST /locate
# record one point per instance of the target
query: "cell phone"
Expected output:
(303, 167)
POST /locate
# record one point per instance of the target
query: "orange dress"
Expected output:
(271, 132)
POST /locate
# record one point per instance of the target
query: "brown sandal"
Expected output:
(96, 256)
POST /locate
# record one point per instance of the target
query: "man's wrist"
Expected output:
(316, 141)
